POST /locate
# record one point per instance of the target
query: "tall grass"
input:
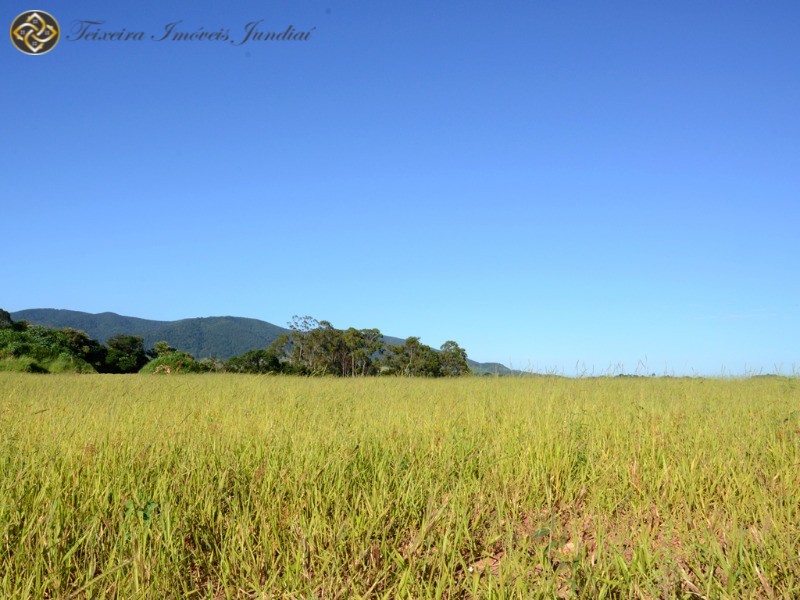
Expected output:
(245, 486)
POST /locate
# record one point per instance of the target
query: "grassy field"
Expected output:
(238, 486)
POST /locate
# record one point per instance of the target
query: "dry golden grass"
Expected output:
(247, 487)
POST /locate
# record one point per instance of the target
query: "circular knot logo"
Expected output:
(35, 32)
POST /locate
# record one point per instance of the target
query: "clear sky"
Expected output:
(556, 185)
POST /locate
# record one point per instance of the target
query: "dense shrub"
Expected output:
(255, 361)
(173, 362)
(35, 349)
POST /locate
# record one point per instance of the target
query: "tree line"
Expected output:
(311, 347)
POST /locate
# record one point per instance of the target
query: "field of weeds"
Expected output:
(276, 487)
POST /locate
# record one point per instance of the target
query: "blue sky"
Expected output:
(555, 185)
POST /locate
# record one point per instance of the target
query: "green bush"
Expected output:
(24, 364)
(173, 362)
(35, 349)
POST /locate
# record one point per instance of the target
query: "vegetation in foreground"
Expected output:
(247, 487)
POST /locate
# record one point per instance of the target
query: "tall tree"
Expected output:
(371, 345)
(126, 354)
(412, 358)
(161, 349)
(357, 347)
(255, 361)
(453, 360)
(84, 347)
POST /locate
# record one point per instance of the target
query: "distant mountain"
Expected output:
(222, 337)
